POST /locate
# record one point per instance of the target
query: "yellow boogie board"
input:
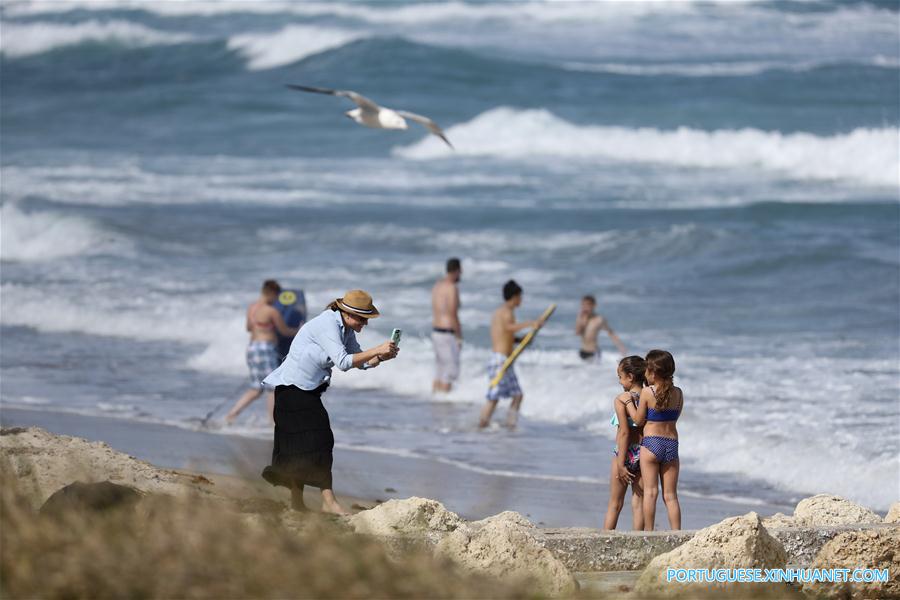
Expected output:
(522, 345)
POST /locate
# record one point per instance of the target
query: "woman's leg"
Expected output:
(637, 503)
(249, 396)
(297, 497)
(669, 476)
(617, 491)
(649, 476)
(270, 404)
(330, 503)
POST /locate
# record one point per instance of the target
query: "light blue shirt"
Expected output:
(321, 344)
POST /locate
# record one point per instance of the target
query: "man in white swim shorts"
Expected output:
(446, 335)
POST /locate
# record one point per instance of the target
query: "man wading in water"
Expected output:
(503, 329)
(446, 335)
(263, 320)
(588, 325)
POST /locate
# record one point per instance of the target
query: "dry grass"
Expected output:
(191, 548)
(169, 548)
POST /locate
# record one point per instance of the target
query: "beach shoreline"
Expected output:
(365, 477)
(56, 474)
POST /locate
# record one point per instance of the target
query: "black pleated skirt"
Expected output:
(302, 452)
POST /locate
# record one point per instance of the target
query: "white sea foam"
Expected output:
(761, 439)
(224, 352)
(234, 180)
(33, 400)
(23, 39)
(869, 156)
(122, 183)
(289, 45)
(717, 69)
(570, 31)
(720, 447)
(433, 13)
(290, 182)
(413, 13)
(41, 236)
(123, 315)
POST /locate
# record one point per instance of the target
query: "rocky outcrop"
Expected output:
(780, 520)
(737, 542)
(92, 497)
(42, 463)
(506, 548)
(893, 515)
(872, 549)
(412, 516)
(825, 509)
(507, 515)
(582, 549)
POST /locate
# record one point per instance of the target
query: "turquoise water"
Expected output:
(723, 177)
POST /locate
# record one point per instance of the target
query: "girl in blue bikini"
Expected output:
(659, 408)
(625, 468)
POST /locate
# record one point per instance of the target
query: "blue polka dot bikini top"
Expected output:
(670, 414)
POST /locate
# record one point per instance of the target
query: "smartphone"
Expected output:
(395, 336)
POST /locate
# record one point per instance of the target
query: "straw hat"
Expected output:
(359, 303)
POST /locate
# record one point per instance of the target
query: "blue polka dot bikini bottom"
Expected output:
(665, 449)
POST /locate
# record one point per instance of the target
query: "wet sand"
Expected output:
(370, 475)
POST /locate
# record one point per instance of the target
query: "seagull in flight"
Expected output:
(377, 117)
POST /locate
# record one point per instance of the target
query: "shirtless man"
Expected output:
(446, 335)
(588, 325)
(503, 329)
(263, 320)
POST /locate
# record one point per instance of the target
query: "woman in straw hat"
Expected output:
(302, 452)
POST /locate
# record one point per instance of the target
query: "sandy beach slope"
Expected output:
(368, 475)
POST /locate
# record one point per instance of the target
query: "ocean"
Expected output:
(722, 177)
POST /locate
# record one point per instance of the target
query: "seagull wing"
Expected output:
(426, 122)
(360, 100)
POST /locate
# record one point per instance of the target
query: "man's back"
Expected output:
(261, 322)
(444, 304)
(447, 334)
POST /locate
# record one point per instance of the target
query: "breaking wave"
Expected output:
(870, 156)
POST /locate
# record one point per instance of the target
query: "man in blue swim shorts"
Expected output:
(503, 330)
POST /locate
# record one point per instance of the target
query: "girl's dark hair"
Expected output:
(662, 365)
(634, 366)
